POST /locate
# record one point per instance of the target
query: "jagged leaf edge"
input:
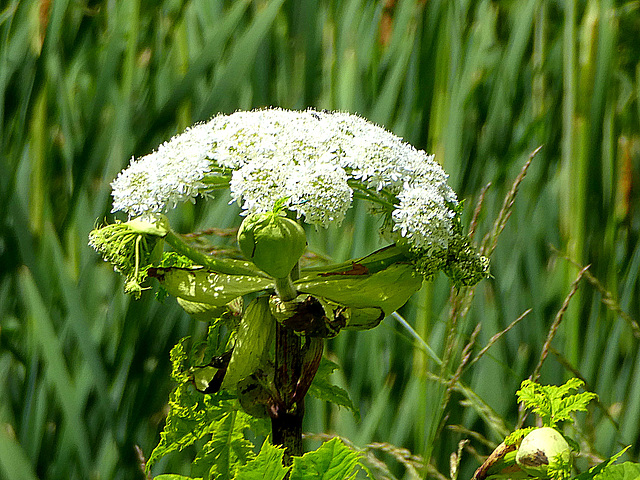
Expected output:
(605, 469)
(191, 413)
(267, 465)
(324, 390)
(332, 461)
(227, 449)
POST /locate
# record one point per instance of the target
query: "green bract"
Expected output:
(130, 247)
(253, 337)
(200, 285)
(388, 289)
(543, 447)
(274, 243)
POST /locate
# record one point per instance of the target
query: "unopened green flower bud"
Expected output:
(274, 243)
(541, 448)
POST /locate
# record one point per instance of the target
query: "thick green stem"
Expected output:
(285, 289)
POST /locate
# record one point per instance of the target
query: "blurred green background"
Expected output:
(86, 85)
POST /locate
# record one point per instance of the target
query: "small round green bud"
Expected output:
(274, 243)
(540, 448)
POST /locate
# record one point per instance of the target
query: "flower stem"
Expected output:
(364, 193)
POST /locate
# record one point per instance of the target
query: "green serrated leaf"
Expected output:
(267, 465)
(228, 448)
(332, 461)
(574, 403)
(367, 290)
(191, 417)
(179, 361)
(201, 285)
(607, 471)
(514, 438)
(323, 389)
(552, 403)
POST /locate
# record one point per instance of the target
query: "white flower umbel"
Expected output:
(316, 162)
(422, 217)
(164, 178)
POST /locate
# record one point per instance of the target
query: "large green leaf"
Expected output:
(323, 389)
(227, 450)
(624, 471)
(332, 461)
(192, 415)
(266, 466)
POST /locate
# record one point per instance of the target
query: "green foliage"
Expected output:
(559, 469)
(332, 461)
(624, 471)
(228, 448)
(324, 390)
(554, 404)
(606, 470)
(204, 286)
(253, 340)
(267, 465)
(194, 416)
(515, 437)
(368, 290)
(130, 247)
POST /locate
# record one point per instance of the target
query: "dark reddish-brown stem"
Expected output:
(287, 414)
(296, 365)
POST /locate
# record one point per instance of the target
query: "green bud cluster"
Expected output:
(460, 262)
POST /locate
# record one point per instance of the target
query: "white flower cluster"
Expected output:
(312, 159)
(170, 175)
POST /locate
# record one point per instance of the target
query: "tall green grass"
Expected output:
(86, 85)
